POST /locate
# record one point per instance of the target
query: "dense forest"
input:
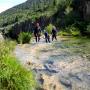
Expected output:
(64, 14)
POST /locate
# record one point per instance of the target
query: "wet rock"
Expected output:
(88, 74)
(66, 82)
(41, 80)
(50, 62)
(29, 63)
(51, 68)
(76, 76)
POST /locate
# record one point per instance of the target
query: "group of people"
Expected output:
(37, 33)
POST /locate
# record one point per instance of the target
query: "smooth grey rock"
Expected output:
(51, 69)
(66, 82)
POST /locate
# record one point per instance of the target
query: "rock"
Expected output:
(41, 80)
(29, 63)
(76, 76)
(50, 68)
(50, 62)
(51, 83)
(66, 82)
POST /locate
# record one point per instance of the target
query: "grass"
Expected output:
(24, 37)
(12, 75)
(79, 44)
(70, 31)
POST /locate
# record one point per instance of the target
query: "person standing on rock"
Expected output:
(37, 32)
(54, 33)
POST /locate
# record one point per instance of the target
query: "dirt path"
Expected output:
(56, 66)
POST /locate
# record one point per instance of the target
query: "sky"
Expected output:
(6, 4)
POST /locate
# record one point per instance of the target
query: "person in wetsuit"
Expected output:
(47, 37)
(54, 33)
(37, 32)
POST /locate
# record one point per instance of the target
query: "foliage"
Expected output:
(24, 11)
(12, 75)
(73, 30)
(88, 28)
(49, 28)
(70, 31)
(62, 13)
(63, 33)
(24, 37)
(81, 45)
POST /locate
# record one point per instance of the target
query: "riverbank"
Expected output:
(60, 65)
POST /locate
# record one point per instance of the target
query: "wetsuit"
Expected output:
(54, 34)
(47, 37)
(37, 33)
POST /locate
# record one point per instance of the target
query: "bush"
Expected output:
(63, 33)
(12, 75)
(88, 28)
(24, 37)
(49, 28)
(70, 31)
(74, 31)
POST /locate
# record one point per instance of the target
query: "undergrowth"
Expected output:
(13, 76)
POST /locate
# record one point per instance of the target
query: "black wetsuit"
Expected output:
(54, 34)
(47, 37)
(37, 33)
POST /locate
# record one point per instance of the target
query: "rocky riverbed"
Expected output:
(57, 66)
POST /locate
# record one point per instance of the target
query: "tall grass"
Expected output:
(49, 28)
(81, 45)
(70, 31)
(13, 76)
(24, 37)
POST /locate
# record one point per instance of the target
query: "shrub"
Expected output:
(70, 31)
(24, 37)
(49, 28)
(88, 28)
(12, 75)
(74, 31)
(63, 33)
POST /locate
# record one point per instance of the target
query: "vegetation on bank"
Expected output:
(49, 28)
(62, 13)
(78, 45)
(24, 37)
(70, 31)
(13, 76)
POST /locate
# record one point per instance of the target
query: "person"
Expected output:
(37, 32)
(54, 33)
(47, 37)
